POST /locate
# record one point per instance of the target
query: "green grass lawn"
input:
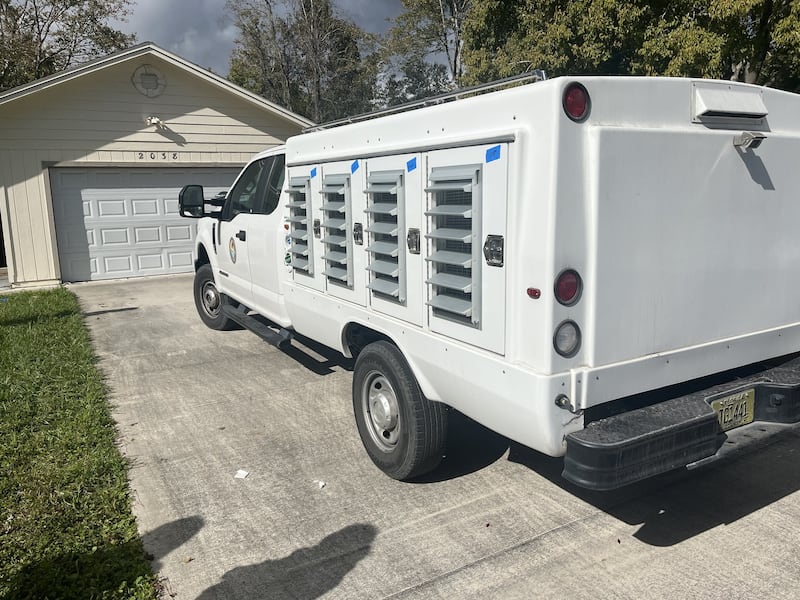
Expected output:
(66, 527)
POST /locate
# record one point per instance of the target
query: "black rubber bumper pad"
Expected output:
(635, 445)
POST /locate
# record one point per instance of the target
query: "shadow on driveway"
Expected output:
(305, 574)
(99, 573)
(669, 508)
(681, 504)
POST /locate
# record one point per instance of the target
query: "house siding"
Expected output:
(98, 119)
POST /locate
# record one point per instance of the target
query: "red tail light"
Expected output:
(576, 101)
(568, 287)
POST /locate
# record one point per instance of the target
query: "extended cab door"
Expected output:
(267, 244)
(234, 228)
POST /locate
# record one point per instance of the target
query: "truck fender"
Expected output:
(202, 256)
(355, 336)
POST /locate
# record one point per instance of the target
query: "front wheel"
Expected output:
(403, 432)
(209, 301)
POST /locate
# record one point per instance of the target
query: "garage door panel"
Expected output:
(111, 208)
(114, 223)
(118, 266)
(73, 241)
(79, 266)
(147, 235)
(171, 206)
(114, 237)
(75, 180)
(150, 262)
(146, 208)
(104, 179)
(179, 233)
(180, 260)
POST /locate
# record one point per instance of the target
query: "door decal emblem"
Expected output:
(232, 250)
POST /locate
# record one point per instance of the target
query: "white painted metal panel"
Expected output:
(114, 223)
(695, 249)
(409, 195)
(477, 316)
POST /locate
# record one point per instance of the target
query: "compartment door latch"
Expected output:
(493, 250)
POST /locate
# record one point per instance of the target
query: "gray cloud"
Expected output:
(371, 15)
(200, 32)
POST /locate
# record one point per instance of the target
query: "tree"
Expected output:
(756, 41)
(300, 54)
(42, 37)
(429, 28)
(261, 60)
(414, 80)
(583, 36)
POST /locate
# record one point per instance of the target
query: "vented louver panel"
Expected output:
(301, 249)
(454, 251)
(336, 227)
(386, 229)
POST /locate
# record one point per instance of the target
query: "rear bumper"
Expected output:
(680, 432)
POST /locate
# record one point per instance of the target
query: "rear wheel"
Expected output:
(403, 432)
(209, 301)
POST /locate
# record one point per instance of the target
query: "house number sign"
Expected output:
(157, 156)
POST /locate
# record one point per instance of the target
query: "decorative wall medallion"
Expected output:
(149, 81)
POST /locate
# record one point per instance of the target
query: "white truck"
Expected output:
(604, 269)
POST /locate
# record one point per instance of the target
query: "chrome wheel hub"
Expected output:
(382, 409)
(211, 299)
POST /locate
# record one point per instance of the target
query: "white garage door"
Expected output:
(113, 223)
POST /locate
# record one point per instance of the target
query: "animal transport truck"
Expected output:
(601, 268)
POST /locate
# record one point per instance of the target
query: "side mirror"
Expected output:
(219, 199)
(190, 201)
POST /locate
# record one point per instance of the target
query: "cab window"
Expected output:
(272, 190)
(246, 193)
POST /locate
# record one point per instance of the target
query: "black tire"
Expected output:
(209, 301)
(403, 432)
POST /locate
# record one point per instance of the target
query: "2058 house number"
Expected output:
(157, 155)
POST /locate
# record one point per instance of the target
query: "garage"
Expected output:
(92, 159)
(112, 223)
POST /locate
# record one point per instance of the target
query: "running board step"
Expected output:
(280, 338)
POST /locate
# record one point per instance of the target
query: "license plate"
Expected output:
(735, 410)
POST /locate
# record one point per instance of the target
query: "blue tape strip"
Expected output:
(313, 172)
(354, 166)
(411, 165)
(492, 154)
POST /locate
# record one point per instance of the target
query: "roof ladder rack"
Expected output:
(532, 77)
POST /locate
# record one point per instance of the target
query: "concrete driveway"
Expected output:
(314, 518)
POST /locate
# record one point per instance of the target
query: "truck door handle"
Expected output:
(242, 235)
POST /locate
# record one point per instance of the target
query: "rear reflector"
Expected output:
(568, 287)
(534, 293)
(576, 101)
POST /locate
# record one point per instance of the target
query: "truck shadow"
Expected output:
(679, 505)
(470, 448)
(670, 508)
(316, 357)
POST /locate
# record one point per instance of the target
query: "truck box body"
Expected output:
(674, 200)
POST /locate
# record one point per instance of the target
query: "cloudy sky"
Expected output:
(201, 32)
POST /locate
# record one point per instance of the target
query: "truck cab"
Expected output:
(243, 239)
